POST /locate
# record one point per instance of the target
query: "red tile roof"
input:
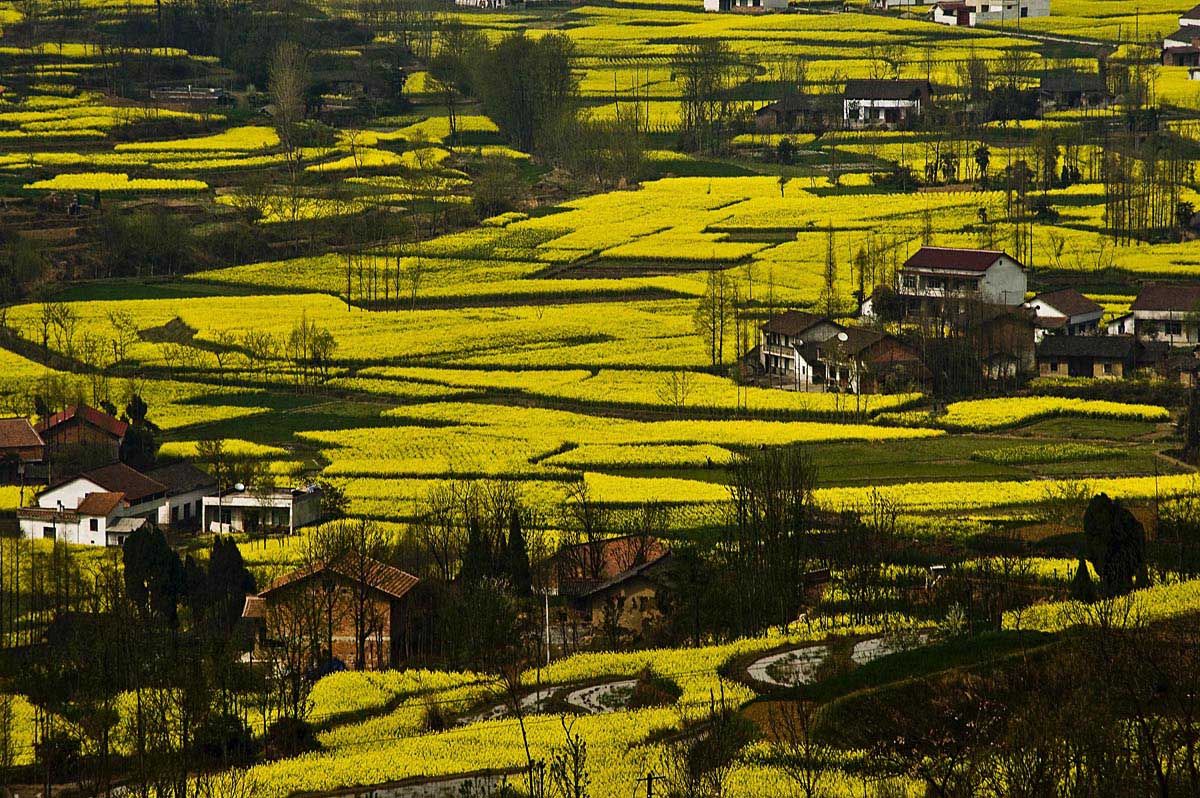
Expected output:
(119, 477)
(574, 570)
(953, 260)
(1168, 297)
(18, 433)
(89, 415)
(101, 504)
(375, 574)
(1069, 301)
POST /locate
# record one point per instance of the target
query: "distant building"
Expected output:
(627, 604)
(1076, 90)
(746, 6)
(969, 13)
(888, 5)
(1167, 312)
(190, 95)
(383, 621)
(483, 4)
(21, 450)
(1182, 48)
(100, 507)
(186, 486)
(884, 103)
(247, 510)
(936, 274)
(1066, 311)
(1004, 336)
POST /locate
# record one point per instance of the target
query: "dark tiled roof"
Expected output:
(623, 577)
(1074, 81)
(1104, 347)
(181, 478)
(953, 260)
(375, 574)
(18, 433)
(1185, 34)
(793, 102)
(794, 322)
(1168, 297)
(119, 477)
(101, 504)
(1069, 301)
(91, 415)
(866, 89)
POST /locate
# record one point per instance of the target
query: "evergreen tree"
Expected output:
(154, 577)
(477, 557)
(518, 557)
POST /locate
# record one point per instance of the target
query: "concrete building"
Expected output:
(745, 6)
(969, 13)
(1066, 311)
(1167, 312)
(186, 486)
(936, 274)
(100, 507)
(273, 509)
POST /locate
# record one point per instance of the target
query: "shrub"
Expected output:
(652, 690)
(289, 737)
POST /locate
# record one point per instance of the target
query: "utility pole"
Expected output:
(649, 779)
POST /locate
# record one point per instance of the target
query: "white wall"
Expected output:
(78, 532)
(1004, 283)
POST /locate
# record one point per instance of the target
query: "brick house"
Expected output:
(80, 428)
(336, 588)
(1182, 48)
(21, 449)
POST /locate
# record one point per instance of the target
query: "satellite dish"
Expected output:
(239, 487)
(843, 337)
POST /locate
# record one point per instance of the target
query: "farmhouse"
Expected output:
(82, 428)
(1066, 311)
(575, 569)
(21, 449)
(1075, 90)
(186, 488)
(887, 5)
(1182, 48)
(793, 113)
(100, 507)
(934, 274)
(358, 598)
(746, 6)
(627, 604)
(781, 343)
(1162, 312)
(249, 510)
(1112, 356)
(969, 13)
(884, 103)
(859, 360)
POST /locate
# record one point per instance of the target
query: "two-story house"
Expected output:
(100, 507)
(1168, 312)
(935, 275)
(781, 343)
(21, 448)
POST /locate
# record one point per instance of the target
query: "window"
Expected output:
(174, 515)
(120, 540)
(1173, 327)
(187, 511)
(198, 513)
(48, 532)
(1053, 365)
(1108, 368)
(94, 524)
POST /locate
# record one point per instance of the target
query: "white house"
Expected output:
(1182, 48)
(984, 275)
(782, 342)
(969, 13)
(748, 6)
(1162, 312)
(484, 4)
(100, 507)
(869, 103)
(248, 510)
(887, 5)
(1066, 311)
(186, 488)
